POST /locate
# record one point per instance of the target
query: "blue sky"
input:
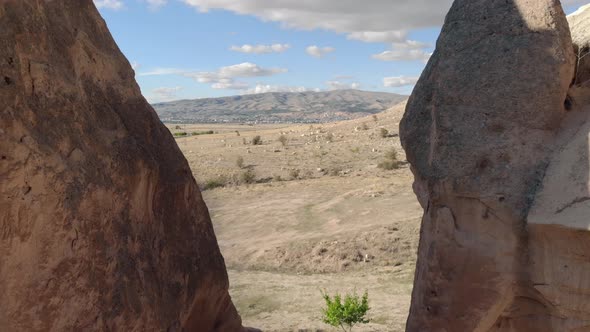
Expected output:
(185, 49)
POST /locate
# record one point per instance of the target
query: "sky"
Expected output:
(188, 49)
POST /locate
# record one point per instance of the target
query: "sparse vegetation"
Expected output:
(384, 133)
(375, 118)
(248, 177)
(391, 162)
(356, 149)
(345, 314)
(237, 133)
(364, 126)
(283, 139)
(181, 134)
(207, 132)
(330, 137)
(240, 162)
(257, 140)
(214, 183)
(294, 173)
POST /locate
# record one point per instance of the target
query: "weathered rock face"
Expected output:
(479, 131)
(580, 27)
(102, 227)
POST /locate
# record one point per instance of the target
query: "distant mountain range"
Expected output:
(279, 107)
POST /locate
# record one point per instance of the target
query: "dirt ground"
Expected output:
(314, 214)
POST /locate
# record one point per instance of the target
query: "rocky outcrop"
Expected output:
(102, 226)
(480, 130)
(579, 23)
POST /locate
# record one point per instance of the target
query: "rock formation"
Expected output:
(580, 27)
(102, 226)
(501, 170)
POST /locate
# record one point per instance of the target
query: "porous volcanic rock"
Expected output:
(479, 131)
(102, 226)
(579, 22)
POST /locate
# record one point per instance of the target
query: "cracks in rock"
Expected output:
(32, 80)
(572, 203)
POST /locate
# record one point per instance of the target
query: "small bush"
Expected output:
(240, 162)
(248, 177)
(348, 313)
(214, 183)
(390, 161)
(283, 139)
(364, 126)
(207, 132)
(237, 133)
(356, 149)
(375, 118)
(384, 133)
(181, 134)
(178, 127)
(257, 140)
(294, 174)
(330, 137)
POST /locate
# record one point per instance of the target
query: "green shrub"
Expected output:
(248, 177)
(384, 132)
(207, 132)
(214, 183)
(257, 140)
(348, 313)
(181, 134)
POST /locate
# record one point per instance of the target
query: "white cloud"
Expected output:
(261, 49)
(318, 52)
(224, 77)
(410, 45)
(247, 69)
(338, 85)
(155, 4)
(229, 83)
(164, 94)
(378, 36)
(399, 81)
(109, 4)
(344, 16)
(161, 71)
(402, 55)
(264, 88)
(409, 50)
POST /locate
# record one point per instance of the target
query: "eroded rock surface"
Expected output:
(102, 227)
(480, 129)
(579, 22)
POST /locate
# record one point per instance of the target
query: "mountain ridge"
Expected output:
(279, 107)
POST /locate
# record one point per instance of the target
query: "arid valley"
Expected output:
(319, 215)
